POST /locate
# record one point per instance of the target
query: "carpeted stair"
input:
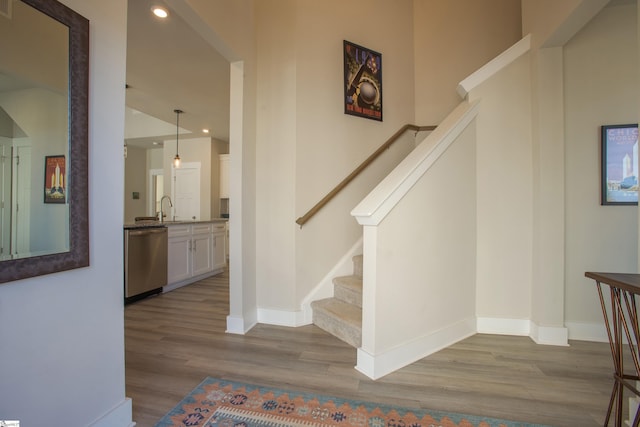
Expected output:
(341, 315)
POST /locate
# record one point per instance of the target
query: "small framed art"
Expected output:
(362, 81)
(619, 152)
(55, 179)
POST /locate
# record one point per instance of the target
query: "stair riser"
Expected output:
(340, 320)
(347, 295)
(347, 333)
(357, 265)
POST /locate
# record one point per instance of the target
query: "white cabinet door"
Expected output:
(219, 250)
(179, 261)
(202, 253)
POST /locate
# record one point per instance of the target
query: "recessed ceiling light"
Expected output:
(160, 11)
(205, 130)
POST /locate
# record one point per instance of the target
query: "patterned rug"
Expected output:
(219, 403)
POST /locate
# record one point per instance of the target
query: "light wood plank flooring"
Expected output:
(176, 339)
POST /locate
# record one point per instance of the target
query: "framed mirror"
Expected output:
(44, 83)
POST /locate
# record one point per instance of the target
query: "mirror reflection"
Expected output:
(34, 133)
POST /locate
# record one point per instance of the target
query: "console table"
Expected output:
(621, 317)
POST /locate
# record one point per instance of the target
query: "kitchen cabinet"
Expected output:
(201, 249)
(219, 233)
(193, 252)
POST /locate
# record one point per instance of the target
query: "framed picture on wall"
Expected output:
(362, 81)
(619, 153)
(55, 179)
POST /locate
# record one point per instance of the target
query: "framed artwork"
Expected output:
(362, 81)
(55, 168)
(619, 164)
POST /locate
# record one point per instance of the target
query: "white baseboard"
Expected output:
(282, 318)
(490, 325)
(549, 335)
(545, 335)
(583, 331)
(377, 366)
(236, 325)
(120, 416)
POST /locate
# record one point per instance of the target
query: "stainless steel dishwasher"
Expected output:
(145, 261)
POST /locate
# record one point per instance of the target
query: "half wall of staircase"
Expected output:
(421, 221)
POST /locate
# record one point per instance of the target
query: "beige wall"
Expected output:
(452, 40)
(428, 269)
(155, 158)
(305, 120)
(135, 180)
(139, 161)
(553, 23)
(277, 48)
(305, 144)
(197, 151)
(217, 147)
(300, 91)
(65, 331)
(601, 78)
(229, 25)
(504, 182)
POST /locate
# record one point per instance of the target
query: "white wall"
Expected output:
(62, 334)
(601, 80)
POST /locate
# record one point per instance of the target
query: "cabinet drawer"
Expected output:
(179, 230)
(201, 228)
(219, 226)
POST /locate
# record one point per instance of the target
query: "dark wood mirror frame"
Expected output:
(78, 195)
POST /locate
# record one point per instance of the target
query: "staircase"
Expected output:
(341, 315)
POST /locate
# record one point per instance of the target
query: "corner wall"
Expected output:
(505, 206)
(453, 38)
(598, 238)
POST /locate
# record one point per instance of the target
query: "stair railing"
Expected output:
(326, 199)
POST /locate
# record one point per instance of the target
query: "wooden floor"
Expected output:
(176, 339)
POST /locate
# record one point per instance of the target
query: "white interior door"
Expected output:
(5, 198)
(21, 201)
(186, 192)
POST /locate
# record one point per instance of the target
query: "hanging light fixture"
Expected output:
(176, 159)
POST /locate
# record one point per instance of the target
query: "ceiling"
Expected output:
(169, 66)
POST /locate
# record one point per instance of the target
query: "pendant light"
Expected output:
(176, 159)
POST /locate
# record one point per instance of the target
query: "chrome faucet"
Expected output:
(161, 212)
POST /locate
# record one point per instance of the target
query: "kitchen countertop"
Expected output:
(150, 224)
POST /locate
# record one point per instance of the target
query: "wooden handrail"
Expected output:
(306, 217)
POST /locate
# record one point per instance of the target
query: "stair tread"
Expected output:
(340, 309)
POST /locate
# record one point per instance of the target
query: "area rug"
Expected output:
(221, 403)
